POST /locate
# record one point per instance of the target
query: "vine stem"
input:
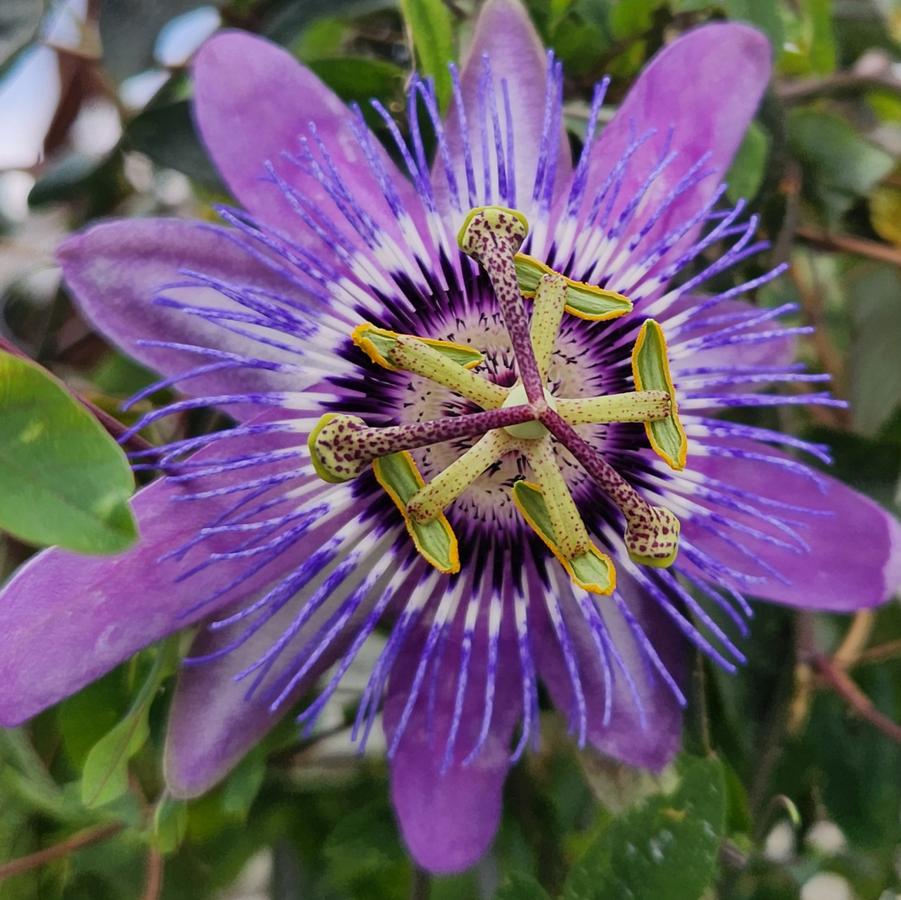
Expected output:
(77, 841)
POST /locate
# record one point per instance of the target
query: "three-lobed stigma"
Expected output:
(525, 419)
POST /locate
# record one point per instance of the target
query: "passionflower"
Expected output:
(477, 406)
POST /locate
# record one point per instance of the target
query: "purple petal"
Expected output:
(254, 102)
(213, 722)
(641, 731)
(68, 619)
(448, 819)
(855, 545)
(115, 270)
(706, 86)
(505, 34)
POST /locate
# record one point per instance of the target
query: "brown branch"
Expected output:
(153, 881)
(77, 841)
(847, 689)
(848, 243)
(840, 83)
(880, 653)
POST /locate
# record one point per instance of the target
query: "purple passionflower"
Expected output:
(530, 327)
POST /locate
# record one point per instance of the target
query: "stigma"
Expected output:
(526, 419)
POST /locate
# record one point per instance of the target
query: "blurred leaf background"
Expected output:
(791, 782)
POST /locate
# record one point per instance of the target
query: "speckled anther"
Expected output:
(525, 420)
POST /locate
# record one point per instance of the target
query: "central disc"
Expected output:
(529, 431)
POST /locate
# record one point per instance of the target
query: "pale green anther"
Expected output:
(421, 359)
(650, 369)
(385, 342)
(435, 539)
(547, 314)
(591, 570)
(497, 220)
(633, 406)
(587, 301)
(432, 499)
(571, 535)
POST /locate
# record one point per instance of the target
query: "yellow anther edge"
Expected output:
(679, 462)
(410, 522)
(602, 557)
(358, 336)
(583, 286)
(318, 465)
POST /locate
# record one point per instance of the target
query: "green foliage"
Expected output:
(432, 35)
(666, 847)
(62, 478)
(839, 165)
(876, 317)
(746, 174)
(105, 773)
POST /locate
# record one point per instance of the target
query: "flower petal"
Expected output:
(855, 545)
(254, 103)
(67, 619)
(448, 819)
(505, 34)
(650, 745)
(706, 85)
(213, 721)
(116, 270)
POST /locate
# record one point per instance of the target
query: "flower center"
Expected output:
(526, 420)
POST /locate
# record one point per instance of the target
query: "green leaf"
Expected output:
(634, 17)
(104, 777)
(18, 22)
(432, 35)
(764, 14)
(244, 784)
(885, 213)
(875, 373)
(746, 173)
(821, 35)
(521, 887)
(170, 822)
(105, 774)
(63, 479)
(167, 135)
(839, 165)
(357, 79)
(667, 847)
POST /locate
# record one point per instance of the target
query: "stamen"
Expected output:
(633, 406)
(572, 538)
(547, 314)
(429, 502)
